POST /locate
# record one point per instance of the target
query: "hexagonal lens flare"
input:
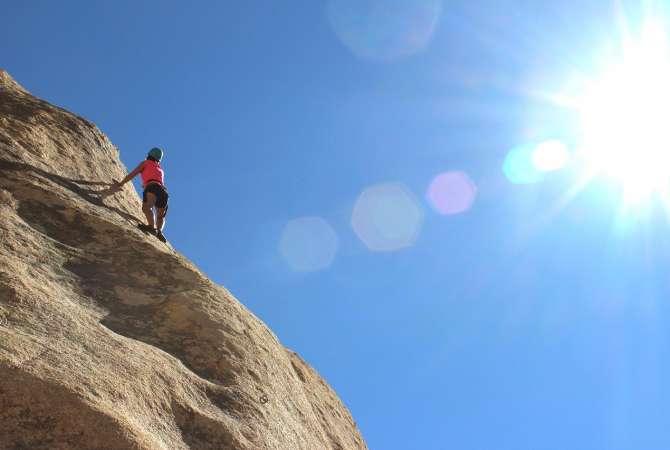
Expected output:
(387, 217)
(452, 193)
(519, 167)
(381, 30)
(550, 155)
(308, 244)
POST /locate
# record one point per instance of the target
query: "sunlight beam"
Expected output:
(625, 118)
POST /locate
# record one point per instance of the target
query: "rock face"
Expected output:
(109, 339)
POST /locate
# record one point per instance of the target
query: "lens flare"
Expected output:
(308, 244)
(381, 30)
(387, 217)
(452, 193)
(550, 155)
(519, 167)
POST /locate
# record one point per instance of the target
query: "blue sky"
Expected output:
(525, 321)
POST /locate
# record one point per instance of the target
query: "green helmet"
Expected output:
(156, 153)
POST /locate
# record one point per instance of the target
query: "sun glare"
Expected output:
(625, 118)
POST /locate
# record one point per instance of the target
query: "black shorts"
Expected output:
(159, 191)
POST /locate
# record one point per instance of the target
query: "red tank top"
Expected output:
(151, 171)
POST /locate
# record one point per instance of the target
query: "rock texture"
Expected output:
(109, 339)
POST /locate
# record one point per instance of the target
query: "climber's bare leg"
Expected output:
(160, 218)
(147, 208)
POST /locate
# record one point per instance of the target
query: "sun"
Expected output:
(625, 117)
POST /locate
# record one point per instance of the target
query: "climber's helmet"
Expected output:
(156, 153)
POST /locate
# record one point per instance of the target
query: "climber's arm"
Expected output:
(131, 175)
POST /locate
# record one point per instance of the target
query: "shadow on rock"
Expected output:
(92, 196)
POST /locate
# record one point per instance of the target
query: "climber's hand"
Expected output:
(113, 189)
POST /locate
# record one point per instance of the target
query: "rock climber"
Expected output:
(155, 195)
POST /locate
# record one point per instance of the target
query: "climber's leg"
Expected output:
(147, 207)
(160, 218)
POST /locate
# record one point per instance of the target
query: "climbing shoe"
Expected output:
(146, 228)
(159, 235)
